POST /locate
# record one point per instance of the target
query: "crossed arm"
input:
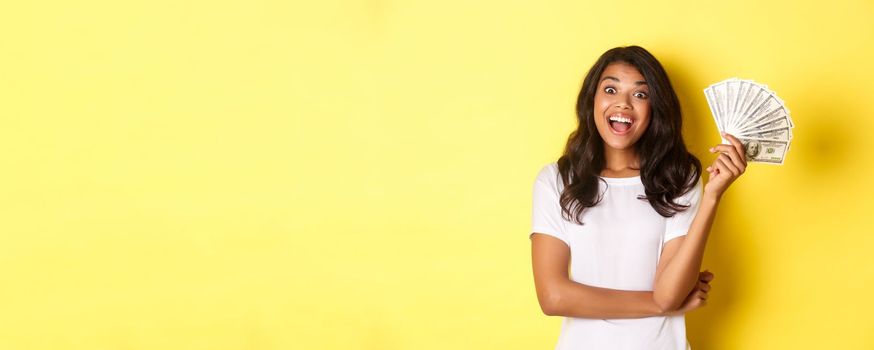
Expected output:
(678, 287)
(560, 296)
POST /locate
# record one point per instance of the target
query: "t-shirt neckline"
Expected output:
(621, 180)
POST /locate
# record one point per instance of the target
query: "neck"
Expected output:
(623, 162)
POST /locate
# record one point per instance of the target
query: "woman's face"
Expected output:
(622, 109)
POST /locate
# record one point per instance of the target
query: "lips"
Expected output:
(620, 124)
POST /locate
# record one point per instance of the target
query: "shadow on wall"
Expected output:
(823, 153)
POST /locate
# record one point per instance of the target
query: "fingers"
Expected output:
(712, 171)
(730, 164)
(703, 287)
(738, 146)
(722, 167)
(702, 291)
(732, 156)
(705, 276)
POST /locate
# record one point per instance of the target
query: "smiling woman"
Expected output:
(628, 83)
(622, 105)
(620, 221)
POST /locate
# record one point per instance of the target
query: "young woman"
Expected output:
(620, 221)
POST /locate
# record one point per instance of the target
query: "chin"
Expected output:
(619, 145)
(620, 142)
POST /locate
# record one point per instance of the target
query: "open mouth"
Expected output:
(620, 124)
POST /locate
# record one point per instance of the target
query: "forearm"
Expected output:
(583, 301)
(680, 274)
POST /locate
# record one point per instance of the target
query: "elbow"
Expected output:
(550, 303)
(666, 302)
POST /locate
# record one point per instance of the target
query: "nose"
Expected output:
(622, 102)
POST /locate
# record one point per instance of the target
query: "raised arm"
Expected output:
(681, 258)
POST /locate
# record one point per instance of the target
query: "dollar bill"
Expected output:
(754, 114)
(765, 151)
(781, 134)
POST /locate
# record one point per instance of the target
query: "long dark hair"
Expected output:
(667, 169)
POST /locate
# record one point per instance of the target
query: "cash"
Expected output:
(755, 115)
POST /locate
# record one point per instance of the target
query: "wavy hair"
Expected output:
(667, 169)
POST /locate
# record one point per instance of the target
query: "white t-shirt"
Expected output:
(617, 247)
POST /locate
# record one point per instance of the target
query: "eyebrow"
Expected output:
(641, 82)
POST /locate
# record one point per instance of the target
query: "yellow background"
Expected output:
(358, 174)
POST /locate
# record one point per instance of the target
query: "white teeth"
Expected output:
(620, 119)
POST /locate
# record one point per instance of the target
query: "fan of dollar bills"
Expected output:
(755, 115)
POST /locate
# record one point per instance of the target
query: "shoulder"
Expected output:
(548, 172)
(548, 175)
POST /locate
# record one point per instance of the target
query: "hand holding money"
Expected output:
(753, 113)
(730, 163)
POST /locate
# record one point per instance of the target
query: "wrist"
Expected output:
(711, 198)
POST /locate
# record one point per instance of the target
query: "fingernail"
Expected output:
(711, 149)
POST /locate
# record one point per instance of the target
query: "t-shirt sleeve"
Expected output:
(546, 211)
(678, 225)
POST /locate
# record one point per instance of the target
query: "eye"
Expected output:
(610, 90)
(640, 94)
